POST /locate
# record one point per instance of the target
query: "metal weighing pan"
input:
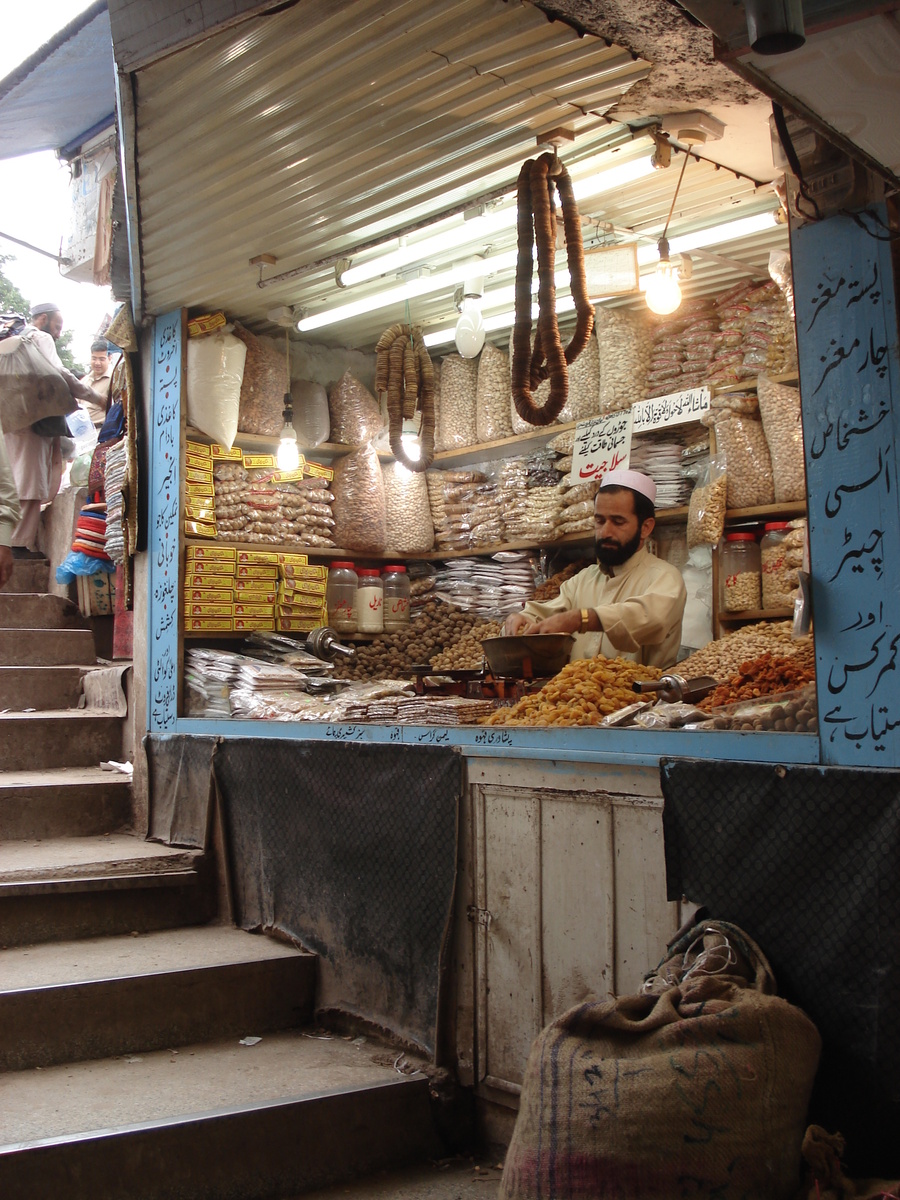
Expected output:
(532, 655)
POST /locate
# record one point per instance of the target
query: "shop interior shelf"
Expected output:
(777, 512)
(260, 443)
(756, 614)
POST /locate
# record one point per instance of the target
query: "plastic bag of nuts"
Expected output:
(706, 509)
(359, 507)
(492, 395)
(263, 385)
(741, 439)
(625, 345)
(409, 527)
(356, 415)
(459, 381)
(788, 712)
(779, 407)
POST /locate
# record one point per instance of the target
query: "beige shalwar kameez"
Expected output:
(639, 604)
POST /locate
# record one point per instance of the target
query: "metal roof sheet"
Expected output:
(64, 90)
(303, 135)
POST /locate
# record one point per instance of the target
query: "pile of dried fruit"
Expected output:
(765, 676)
(723, 658)
(434, 628)
(550, 589)
(467, 654)
(583, 693)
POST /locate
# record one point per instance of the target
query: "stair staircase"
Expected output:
(125, 1005)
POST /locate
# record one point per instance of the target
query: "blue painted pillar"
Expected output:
(163, 544)
(849, 375)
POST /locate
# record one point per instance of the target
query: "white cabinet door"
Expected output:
(570, 903)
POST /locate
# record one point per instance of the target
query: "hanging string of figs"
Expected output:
(405, 373)
(536, 226)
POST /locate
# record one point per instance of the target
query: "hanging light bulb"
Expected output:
(470, 326)
(663, 293)
(288, 454)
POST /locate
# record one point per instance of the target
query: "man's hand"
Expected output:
(564, 622)
(6, 565)
(518, 623)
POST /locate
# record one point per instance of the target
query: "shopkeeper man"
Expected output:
(630, 604)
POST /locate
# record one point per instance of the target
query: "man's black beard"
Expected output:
(609, 557)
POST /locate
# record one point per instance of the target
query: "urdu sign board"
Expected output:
(604, 443)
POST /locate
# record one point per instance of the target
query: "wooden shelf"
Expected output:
(485, 451)
(749, 385)
(777, 512)
(756, 614)
(262, 444)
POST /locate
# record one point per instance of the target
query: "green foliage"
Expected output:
(12, 300)
(64, 350)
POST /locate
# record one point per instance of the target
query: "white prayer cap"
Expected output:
(39, 309)
(631, 479)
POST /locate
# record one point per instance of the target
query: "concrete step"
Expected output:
(67, 738)
(43, 688)
(217, 1120)
(46, 647)
(25, 610)
(62, 888)
(29, 575)
(98, 997)
(63, 802)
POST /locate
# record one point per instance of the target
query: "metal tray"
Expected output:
(529, 655)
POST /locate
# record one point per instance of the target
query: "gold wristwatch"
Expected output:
(585, 619)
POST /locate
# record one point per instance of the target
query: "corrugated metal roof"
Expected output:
(62, 90)
(304, 136)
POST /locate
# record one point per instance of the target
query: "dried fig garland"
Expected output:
(536, 225)
(405, 372)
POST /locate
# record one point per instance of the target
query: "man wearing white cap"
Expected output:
(630, 604)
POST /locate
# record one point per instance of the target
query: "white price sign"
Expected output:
(675, 409)
(601, 444)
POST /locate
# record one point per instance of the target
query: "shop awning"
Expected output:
(64, 91)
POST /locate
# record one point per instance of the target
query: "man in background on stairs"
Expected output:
(9, 515)
(37, 462)
(98, 378)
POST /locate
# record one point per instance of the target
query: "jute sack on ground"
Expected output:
(698, 1090)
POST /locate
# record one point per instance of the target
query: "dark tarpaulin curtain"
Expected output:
(351, 850)
(807, 861)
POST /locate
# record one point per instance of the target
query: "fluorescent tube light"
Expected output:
(495, 221)
(458, 273)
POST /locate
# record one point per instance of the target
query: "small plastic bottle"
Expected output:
(369, 601)
(396, 598)
(341, 596)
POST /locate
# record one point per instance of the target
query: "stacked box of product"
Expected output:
(301, 594)
(228, 590)
(255, 502)
(464, 509)
(199, 503)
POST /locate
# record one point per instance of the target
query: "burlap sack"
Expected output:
(30, 388)
(698, 1090)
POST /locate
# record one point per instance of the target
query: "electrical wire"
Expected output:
(675, 197)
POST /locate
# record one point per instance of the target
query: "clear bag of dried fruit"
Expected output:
(740, 436)
(706, 510)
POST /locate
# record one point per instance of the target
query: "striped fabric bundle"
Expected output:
(90, 531)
